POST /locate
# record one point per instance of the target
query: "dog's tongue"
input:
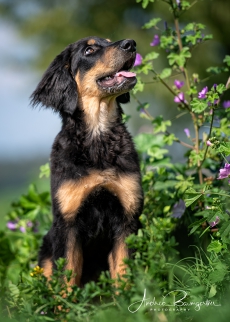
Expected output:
(125, 74)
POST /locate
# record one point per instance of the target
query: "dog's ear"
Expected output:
(124, 98)
(57, 88)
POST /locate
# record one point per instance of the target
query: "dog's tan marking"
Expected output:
(108, 40)
(128, 190)
(100, 108)
(91, 42)
(116, 257)
(74, 259)
(48, 268)
(72, 193)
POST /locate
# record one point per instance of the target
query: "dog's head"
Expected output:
(91, 67)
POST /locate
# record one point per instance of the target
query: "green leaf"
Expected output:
(225, 229)
(165, 185)
(224, 148)
(150, 56)
(45, 171)
(189, 27)
(221, 88)
(151, 23)
(214, 246)
(192, 196)
(195, 225)
(212, 291)
(217, 70)
(227, 60)
(198, 105)
(160, 125)
(156, 153)
(179, 59)
(139, 87)
(144, 141)
(143, 106)
(218, 275)
(144, 2)
(125, 118)
(165, 73)
(169, 139)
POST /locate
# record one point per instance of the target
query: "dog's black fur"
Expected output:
(95, 176)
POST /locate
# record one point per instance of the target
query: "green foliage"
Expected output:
(182, 201)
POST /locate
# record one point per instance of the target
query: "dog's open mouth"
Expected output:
(117, 78)
(120, 78)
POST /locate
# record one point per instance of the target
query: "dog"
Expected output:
(96, 190)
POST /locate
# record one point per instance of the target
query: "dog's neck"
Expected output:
(99, 114)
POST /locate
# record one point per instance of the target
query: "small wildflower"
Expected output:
(180, 98)
(226, 104)
(156, 41)
(225, 172)
(209, 143)
(138, 60)
(22, 229)
(178, 209)
(187, 132)
(195, 78)
(29, 224)
(178, 84)
(203, 93)
(12, 225)
(214, 223)
(37, 271)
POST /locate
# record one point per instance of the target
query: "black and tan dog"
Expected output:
(95, 177)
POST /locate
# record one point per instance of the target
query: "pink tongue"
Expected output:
(125, 74)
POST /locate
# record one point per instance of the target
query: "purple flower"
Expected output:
(209, 143)
(225, 172)
(22, 229)
(187, 132)
(226, 104)
(180, 98)
(178, 209)
(203, 93)
(12, 225)
(156, 41)
(214, 223)
(29, 224)
(178, 84)
(138, 60)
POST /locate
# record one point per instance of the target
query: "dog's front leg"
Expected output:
(116, 258)
(68, 246)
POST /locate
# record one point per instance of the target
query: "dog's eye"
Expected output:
(89, 50)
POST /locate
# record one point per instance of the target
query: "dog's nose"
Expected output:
(128, 45)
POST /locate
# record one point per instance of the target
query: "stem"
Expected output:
(167, 133)
(145, 111)
(216, 193)
(209, 134)
(171, 91)
(184, 70)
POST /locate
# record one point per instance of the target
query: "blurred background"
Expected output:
(32, 33)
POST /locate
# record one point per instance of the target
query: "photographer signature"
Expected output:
(147, 302)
